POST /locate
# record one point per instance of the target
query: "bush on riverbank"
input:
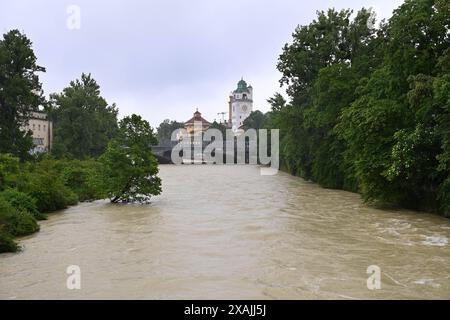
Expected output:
(44, 182)
(30, 189)
(83, 178)
(14, 222)
(9, 169)
(7, 243)
(22, 202)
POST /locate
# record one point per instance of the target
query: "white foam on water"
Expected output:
(292, 268)
(427, 282)
(439, 241)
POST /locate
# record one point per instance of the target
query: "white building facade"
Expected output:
(240, 105)
(42, 129)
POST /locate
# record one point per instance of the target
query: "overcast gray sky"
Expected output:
(163, 59)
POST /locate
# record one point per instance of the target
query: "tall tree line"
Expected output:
(369, 107)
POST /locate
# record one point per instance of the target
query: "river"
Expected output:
(226, 232)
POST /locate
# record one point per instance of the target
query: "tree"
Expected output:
(255, 120)
(277, 102)
(83, 121)
(44, 182)
(369, 107)
(330, 39)
(219, 126)
(20, 92)
(130, 168)
(332, 91)
(166, 128)
(396, 129)
(321, 69)
(9, 169)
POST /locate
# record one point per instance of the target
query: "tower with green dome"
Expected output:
(240, 105)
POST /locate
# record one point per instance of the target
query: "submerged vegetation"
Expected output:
(129, 167)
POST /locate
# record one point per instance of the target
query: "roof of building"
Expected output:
(197, 117)
(39, 115)
(242, 87)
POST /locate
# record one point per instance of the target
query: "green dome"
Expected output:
(242, 86)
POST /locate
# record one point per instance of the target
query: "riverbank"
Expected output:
(382, 205)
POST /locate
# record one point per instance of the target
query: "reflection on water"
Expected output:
(228, 232)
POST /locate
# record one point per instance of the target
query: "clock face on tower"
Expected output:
(244, 108)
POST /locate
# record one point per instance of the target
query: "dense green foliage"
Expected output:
(130, 168)
(7, 243)
(83, 121)
(255, 120)
(9, 169)
(30, 189)
(44, 182)
(83, 177)
(14, 222)
(165, 129)
(20, 92)
(22, 202)
(369, 107)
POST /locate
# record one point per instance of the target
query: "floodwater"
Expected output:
(227, 232)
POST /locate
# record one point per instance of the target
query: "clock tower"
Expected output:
(240, 105)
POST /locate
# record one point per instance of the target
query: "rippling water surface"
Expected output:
(228, 232)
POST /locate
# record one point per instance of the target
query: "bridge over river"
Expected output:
(163, 152)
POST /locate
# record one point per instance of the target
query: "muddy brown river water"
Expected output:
(226, 232)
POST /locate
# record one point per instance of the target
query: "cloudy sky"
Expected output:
(162, 59)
